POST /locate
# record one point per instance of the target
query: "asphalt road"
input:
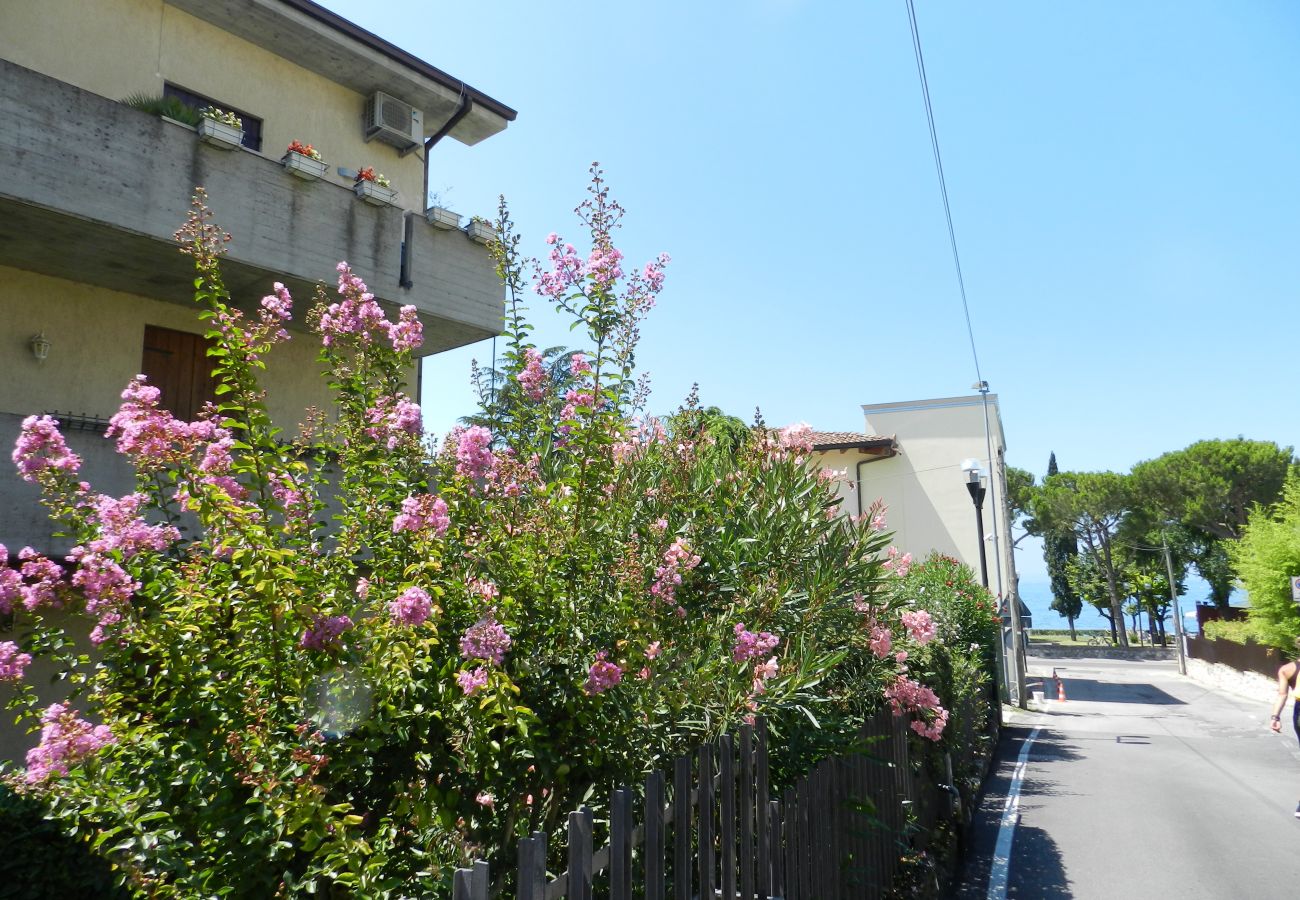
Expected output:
(1143, 784)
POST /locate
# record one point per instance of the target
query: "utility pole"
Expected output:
(1013, 586)
(1178, 614)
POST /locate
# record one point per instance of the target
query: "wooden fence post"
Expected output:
(682, 829)
(654, 836)
(767, 851)
(580, 851)
(620, 845)
(747, 810)
(704, 788)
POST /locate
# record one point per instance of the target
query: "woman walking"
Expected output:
(1286, 684)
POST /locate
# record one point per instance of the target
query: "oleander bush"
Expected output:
(371, 657)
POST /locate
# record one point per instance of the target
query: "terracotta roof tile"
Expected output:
(850, 440)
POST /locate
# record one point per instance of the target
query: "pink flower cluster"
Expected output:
(920, 625)
(44, 579)
(12, 662)
(66, 740)
(484, 590)
(292, 499)
(407, 333)
(881, 640)
(908, 696)
(485, 640)
(899, 565)
(668, 576)
(532, 377)
(473, 680)
(277, 309)
(393, 421)
(40, 446)
(324, 633)
(151, 436)
(797, 438)
(750, 645)
(423, 512)
(121, 527)
(356, 314)
(578, 365)
(106, 586)
(602, 675)
(474, 458)
(411, 607)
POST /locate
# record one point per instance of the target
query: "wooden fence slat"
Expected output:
(807, 870)
(654, 836)
(580, 853)
(682, 828)
(767, 851)
(775, 874)
(746, 851)
(620, 845)
(532, 867)
(704, 789)
(790, 836)
(727, 815)
(470, 884)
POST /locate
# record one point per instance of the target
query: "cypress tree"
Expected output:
(1058, 549)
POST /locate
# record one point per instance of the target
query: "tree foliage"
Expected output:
(1266, 558)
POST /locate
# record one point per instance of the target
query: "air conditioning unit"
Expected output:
(393, 122)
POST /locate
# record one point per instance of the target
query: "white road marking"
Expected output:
(1000, 871)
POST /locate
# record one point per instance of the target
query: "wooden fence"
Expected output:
(1242, 657)
(713, 830)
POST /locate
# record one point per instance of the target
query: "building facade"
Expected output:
(92, 288)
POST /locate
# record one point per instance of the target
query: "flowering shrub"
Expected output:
(561, 595)
(306, 150)
(369, 174)
(222, 116)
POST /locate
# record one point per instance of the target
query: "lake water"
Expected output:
(1037, 595)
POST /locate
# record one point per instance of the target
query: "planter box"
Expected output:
(481, 232)
(219, 134)
(304, 166)
(375, 194)
(443, 218)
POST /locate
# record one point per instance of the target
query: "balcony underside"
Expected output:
(95, 191)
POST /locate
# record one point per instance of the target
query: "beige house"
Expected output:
(92, 289)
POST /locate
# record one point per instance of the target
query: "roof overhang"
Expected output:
(870, 444)
(307, 34)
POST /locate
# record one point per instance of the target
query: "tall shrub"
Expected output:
(353, 695)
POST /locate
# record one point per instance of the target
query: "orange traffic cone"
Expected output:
(1060, 689)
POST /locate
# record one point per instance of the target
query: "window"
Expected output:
(252, 124)
(176, 362)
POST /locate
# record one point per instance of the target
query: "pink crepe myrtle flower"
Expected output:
(532, 377)
(578, 365)
(920, 625)
(356, 313)
(394, 421)
(484, 590)
(45, 585)
(483, 798)
(324, 632)
(423, 512)
(411, 607)
(407, 333)
(750, 645)
(485, 640)
(121, 527)
(474, 458)
(654, 650)
(66, 740)
(472, 681)
(12, 662)
(668, 576)
(41, 446)
(11, 582)
(602, 675)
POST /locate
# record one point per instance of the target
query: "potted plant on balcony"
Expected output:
(373, 188)
(304, 161)
(441, 217)
(220, 128)
(481, 230)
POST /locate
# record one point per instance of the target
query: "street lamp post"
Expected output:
(975, 486)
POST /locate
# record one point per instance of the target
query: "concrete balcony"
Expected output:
(93, 192)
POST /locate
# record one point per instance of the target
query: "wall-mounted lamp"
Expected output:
(40, 345)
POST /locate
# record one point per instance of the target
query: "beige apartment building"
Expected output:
(92, 288)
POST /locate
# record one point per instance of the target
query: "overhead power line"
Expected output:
(943, 183)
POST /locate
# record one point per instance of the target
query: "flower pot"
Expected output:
(443, 218)
(375, 194)
(481, 232)
(304, 166)
(219, 134)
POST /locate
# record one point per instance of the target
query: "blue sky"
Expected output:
(1123, 179)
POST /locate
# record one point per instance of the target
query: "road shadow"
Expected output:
(1037, 869)
(1087, 690)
